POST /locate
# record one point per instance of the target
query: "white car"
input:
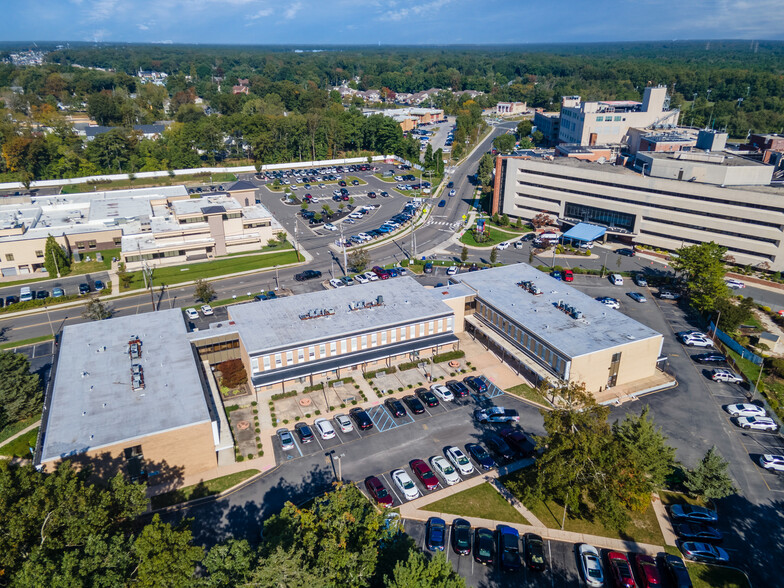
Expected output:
(738, 410)
(206, 309)
(609, 302)
(696, 341)
(772, 462)
(445, 469)
(724, 375)
(365, 237)
(335, 283)
(330, 227)
(356, 215)
(502, 246)
(757, 423)
(324, 428)
(443, 393)
(452, 192)
(591, 565)
(406, 485)
(459, 460)
(344, 423)
(371, 276)
(734, 284)
(361, 279)
(453, 269)
(191, 313)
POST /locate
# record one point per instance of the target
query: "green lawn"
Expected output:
(525, 391)
(211, 269)
(706, 576)
(495, 237)
(200, 490)
(643, 528)
(481, 501)
(14, 428)
(20, 447)
(86, 267)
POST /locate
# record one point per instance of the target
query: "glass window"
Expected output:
(363, 341)
(278, 360)
(430, 328)
(353, 344)
(289, 357)
(617, 118)
(312, 352)
(374, 339)
(393, 335)
(9, 256)
(39, 253)
(254, 364)
(322, 350)
(266, 362)
(333, 348)
(344, 346)
(301, 355)
(384, 337)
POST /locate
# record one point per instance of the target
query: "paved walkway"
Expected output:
(664, 520)
(22, 432)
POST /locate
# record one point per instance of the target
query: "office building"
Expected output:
(549, 124)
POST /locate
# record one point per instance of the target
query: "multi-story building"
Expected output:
(510, 108)
(683, 198)
(410, 118)
(549, 124)
(606, 122)
(162, 225)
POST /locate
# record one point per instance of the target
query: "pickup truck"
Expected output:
(496, 414)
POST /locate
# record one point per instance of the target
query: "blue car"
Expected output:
(509, 548)
(556, 275)
(442, 204)
(58, 293)
(99, 285)
(383, 229)
(436, 534)
(481, 456)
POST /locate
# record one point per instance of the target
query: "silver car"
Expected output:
(591, 565)
(286, 439)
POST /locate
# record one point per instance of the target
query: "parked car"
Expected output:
(405, 484)
(459, 460)
(556, 275)
(710, 358)
(99, 286)
(676, 570)
(344, 423)
(696, 341)
(693, 513)
(378, 492)
(206, 310)
(361, 418)
(738, 410)
(452, 270)
(425, 475)
(698, 532)
(286, 440)
(481, 456)
(509, 548)
(484, 544)
(626, 252)
(461, 537)
(568, 275)
(442, 392)
(704, 552)
(725, 375)
(647, 572)
(427, 397)
(640, 280)
(734, 284)
(58, 292)
(191, 314)
(637, 297)
(435, 534)
(304, 433)
(84, 289)
(307, 275)
(609, 302)
(476, 384)
(445, 470)
(503, 246)
(533, 547)
(41, 295)
(757, 423)
(591, 565)
(621, 570)
(616, 279)
(395, 407)
(668, 295)
(518, 441)
(459, 390)
(428, 267)
(500, 447)
(496, 414)
(324, 428)
(336, 283)
(414, 404)
(772, 462)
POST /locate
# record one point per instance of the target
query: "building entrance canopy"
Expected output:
(585, 232)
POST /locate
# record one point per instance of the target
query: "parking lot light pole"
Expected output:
(759, 376)
(340, 466)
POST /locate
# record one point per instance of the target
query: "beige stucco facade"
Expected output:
(637, 362)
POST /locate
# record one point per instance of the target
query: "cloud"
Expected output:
(292, 10)
(143, 27)
(264, 12)
(413, 10)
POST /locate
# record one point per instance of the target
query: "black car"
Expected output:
(518, 441)
(499, 447)
(461, 536)
(304, 432)
(427, 397)
(395, 407)
(534, 552)
(626, 252)
(480, 456)
(484, 544)
(414, 404)
(428, 268)
(9, 300)
(710, 358)
(509, 548)
(450, 185)
(361, 418)
(307, 275)
(676, 570)
(435, 534)
(697, 532)
(459, 389)
(476, 384)
(41, 295)
(528, 237)
(84, 289)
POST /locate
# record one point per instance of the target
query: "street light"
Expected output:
(333, 456)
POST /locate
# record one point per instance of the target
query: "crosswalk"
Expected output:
(442, 223)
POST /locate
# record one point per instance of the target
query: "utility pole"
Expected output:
(343, 246)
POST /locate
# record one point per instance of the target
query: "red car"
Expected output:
(378, 492)
(621, 570)
(568, 276)
(647, 573)
(381, 272)
(424, 473)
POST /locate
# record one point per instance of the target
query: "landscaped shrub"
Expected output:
(317, 413)
(240, 458)
(411, 364)
(232, 373)
(353, 403)
(255, 411)
(449, 356)
(331, 408)
(283, 395)
(254, 403)
(258, 445)
(400, 389)
(342, 405)
(258, 429)
(307, 415)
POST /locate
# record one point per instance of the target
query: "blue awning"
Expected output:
(585, 232)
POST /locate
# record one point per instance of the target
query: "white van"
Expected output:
(549, 237)
(616, 279)
(25, 294)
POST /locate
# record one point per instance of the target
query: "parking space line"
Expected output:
(296, 444)
(316, 437)
(392, 487)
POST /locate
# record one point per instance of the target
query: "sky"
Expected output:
(388, 22)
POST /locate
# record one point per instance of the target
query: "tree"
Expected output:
(711, 479)
(428, 156)
(733, 315)
(645, 444)
(124, 276)
(524, 128)
(203, 291)
(304, 205)
(358, 259)
(464, 254)
(418, 571)
(538, 137)
(20, 390)
(504, 220)
(541, 220)
(493, 255)
(702, 268)
(165, 555)
(230, 564)
(96, 310)
(485, 171)
(519, 223)
(56, 262)
(504, 143)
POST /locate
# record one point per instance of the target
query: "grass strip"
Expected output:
(14, 428)
(20, 447)
(22, 343)
(481, 501)
(525, 391)
(200, 490)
